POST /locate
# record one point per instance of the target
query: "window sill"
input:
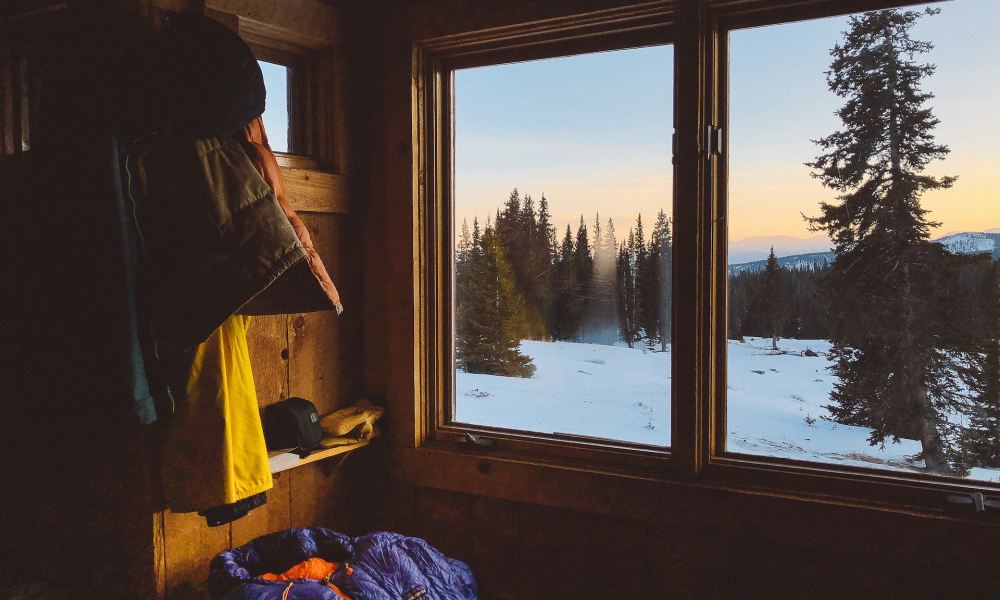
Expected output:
(648, 496)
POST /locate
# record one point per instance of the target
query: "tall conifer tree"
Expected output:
(775, 300)
(583, 264)
(567, 298)
(661, 248)
(628, 301)
(882, 315)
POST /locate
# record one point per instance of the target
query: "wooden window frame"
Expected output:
(299, 84)
(435, 63)
(697, 456)
(877, 485)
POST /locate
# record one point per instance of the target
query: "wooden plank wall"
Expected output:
(714, 546)
(315, 355)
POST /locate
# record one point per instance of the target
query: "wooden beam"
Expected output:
(315, 191)
(306, 24)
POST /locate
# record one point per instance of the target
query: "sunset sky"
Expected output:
(593, 132)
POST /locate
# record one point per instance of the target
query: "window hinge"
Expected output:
(713, 141)
(479, 442)
(979, 503)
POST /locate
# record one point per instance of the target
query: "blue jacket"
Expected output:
(384, 566)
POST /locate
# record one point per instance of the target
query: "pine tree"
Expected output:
(880, 289)
(775, 299)
(643, 296)
(543, 253)
(567, 298)
(490, 312)
(661, 253)
(628, 301)
(981, 440)
(470, 300)
(583, 265)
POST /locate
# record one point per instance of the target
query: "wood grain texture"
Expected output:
(189, 545)
(267, 339)
(305, 23)
(316, 191)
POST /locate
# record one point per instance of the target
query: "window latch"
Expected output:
(713, 141)
(979, 503)
(479, 442)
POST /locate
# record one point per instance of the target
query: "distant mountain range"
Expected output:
(799, 253)
(757, 248)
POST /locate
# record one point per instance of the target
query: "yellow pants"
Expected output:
(213, 450)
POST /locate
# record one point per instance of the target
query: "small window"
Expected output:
(863, 308)
(562, 245)
(276, 109)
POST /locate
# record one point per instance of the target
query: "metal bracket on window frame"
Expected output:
(479, 442)
(979, 503)
(713, 141)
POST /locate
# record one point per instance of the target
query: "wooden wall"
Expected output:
(308, 355)
(705, 543)
(81, 504)
(708, 546)
(315, 356)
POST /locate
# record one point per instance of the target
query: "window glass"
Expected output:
(276, 108)
(864, 234)
(562, 207)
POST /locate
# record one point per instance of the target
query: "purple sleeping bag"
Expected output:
(384, 566)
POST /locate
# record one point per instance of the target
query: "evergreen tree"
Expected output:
(643, 295)
(470, 299)
(663, 246)
(583, 265)
(880, 289)
(981, 440)
(567, 298)
(628, 301)
(543, 260)
(775, 298)
(490, 312)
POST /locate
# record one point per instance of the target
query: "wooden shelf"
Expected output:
(283, 461)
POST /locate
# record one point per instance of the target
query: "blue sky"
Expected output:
(276, 107)
(593, 132)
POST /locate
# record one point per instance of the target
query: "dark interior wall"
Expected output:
(705, 543)
(80, 505)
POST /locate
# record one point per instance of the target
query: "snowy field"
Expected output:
(775, 401)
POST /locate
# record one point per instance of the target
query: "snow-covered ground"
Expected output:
(775, 401)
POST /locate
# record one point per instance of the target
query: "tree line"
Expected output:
(515, 279)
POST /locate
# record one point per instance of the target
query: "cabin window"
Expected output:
(561, 312)
(863, 245)
(276, 112)
(860, 358)
(553, 202)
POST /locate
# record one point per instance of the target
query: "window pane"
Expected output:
(276, 108)
(563, 184)
(863, 279)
